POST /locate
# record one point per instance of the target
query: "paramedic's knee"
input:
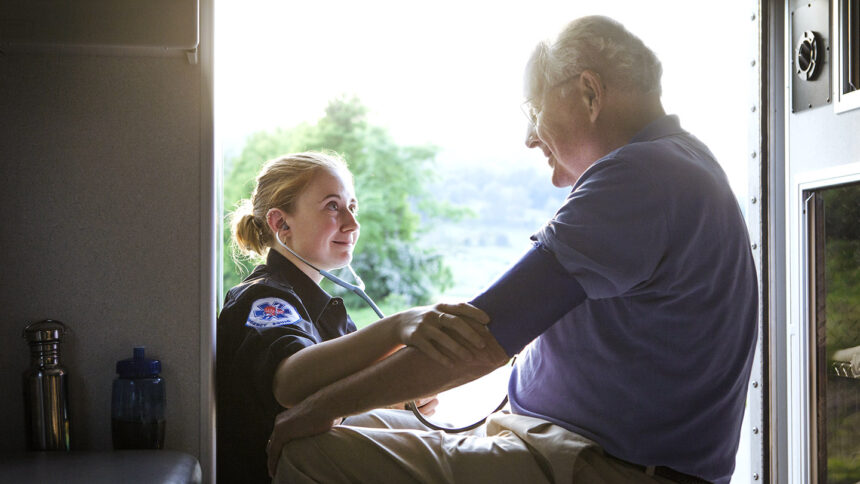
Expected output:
(385, 419)
(342, 455)
(373, 419)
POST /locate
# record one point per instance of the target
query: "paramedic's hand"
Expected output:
(291, 424)
(426, 405)
(444, 331)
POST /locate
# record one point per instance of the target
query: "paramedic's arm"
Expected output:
(405, 375)
(316, 366)
(522, 304)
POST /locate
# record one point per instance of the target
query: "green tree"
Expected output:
(842, 271)
(395, 205)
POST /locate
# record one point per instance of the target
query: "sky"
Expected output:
(450, 72)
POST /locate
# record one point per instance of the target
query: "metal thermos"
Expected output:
(46, 398)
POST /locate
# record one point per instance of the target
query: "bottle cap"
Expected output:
(45, 331)
(138, 366)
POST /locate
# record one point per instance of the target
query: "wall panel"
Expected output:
(100, 202)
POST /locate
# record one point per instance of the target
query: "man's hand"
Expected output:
(455, 329)
(291, 424)
(427, 405)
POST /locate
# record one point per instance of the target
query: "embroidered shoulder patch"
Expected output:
(271, 312)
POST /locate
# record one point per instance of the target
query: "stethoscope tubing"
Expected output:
(452, 430)
(350, 287)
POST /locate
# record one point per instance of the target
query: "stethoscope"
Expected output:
(358, 290)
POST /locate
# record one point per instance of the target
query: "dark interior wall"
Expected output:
(100, 203)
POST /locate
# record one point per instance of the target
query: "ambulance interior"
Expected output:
(112, 217)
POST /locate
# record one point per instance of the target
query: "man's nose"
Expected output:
(532, 139)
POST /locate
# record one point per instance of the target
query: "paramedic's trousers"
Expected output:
(381, 447)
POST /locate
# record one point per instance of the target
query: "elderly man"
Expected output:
(635, 311)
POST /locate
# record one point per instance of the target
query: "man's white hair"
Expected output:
(598, 44)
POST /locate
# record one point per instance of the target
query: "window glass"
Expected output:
(837, 335)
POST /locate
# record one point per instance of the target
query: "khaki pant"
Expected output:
(383, 447)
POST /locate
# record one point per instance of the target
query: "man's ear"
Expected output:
(593, 93)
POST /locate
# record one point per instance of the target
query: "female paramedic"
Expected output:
(280, 336)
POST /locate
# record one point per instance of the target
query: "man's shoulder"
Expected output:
(679, 157)
(628, 165)
(675, 146)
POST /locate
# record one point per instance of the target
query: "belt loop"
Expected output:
(649, 470)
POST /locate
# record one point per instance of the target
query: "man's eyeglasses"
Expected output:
(532, 111)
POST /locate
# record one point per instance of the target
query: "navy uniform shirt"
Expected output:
(275, 312)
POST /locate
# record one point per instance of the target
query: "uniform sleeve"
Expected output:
(264, 346)
(264, 351)
(611, 232)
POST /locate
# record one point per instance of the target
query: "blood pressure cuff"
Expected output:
(529, 298)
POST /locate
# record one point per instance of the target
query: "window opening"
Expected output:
(834, 245)
(429, 104)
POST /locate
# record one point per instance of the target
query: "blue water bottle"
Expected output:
(137, 405)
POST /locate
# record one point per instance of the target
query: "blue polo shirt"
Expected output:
(653, 365)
